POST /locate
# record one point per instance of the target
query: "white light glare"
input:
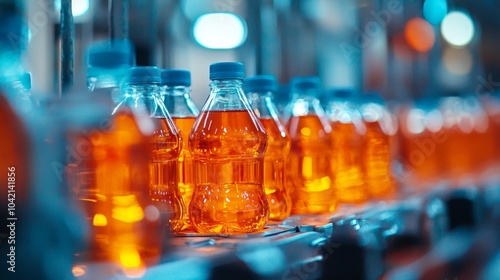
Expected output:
(220, 31)
(457, 28)
(78, 7)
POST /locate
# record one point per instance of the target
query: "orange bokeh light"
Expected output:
(419, 34)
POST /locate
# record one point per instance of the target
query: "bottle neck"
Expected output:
(144, 97)
(178, 101)
(262, 103)
(226, 95)
(226, 84)
(105, 79)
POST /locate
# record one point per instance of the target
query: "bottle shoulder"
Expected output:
(235, 133)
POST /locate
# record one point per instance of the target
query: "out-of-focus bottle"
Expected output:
(310, 154)
(142, 88)
(177, 100)
(421, 139)
(491, 104)
(466, 124)
(228, 143)
(108, 63)
(112, 165)
(348, 134)
(381, 127)
(260, 91)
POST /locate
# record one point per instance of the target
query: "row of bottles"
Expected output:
(341, 153)
(450, 140)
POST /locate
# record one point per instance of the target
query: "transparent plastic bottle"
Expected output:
(109, 177)
(465, 125)
(421, 139)
(108, 63)
(142, 88)
(377, 147)
(348, 134)
(228, 144)
(177, 100)
(310, 154)
(260, 90)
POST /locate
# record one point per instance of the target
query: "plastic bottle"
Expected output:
(348, 134)
(377, 149)
(260, 90)
(228, 144)
(113, 164)
(466, 124)
(142, 88)
(108, 63)
(310, 154)
(177, 100)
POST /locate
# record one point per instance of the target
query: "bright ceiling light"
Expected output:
(220, 31)
(78, 7)
(457, 29)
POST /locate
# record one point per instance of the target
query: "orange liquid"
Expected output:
(377, 161)
(421, 153)
(493, 110)
(113, 190)
(227, 149)
(14, 152)
(185, 165)
(309, 166)
(163, 173)
(275, 182)
(486, 152)
(346, 162)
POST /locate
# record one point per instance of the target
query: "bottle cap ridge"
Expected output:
(144, 74)
(261, 83)
(227, 70)
(175, 77)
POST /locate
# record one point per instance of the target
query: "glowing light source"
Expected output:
(419, 34)
(220, 31)
(435, 11)
(457, 28)
(78, 7)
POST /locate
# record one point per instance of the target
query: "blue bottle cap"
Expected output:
(260, 83)
(118, 53)
(175, 77)
(306, 83)
(144, 75)
(227, 70)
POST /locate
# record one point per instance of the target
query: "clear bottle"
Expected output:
(465, 125)
(309, 159)
(348, 135)
(113, 186)
(177, 100)
(377, 150)
(228, 144)
(420, 140)
(108, 63)
(142, 88)
(260, 90)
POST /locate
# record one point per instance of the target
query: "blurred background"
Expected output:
(402, 48)
(435, 63)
